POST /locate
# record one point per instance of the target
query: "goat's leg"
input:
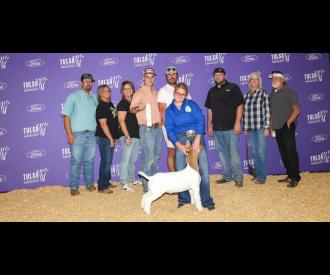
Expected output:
(197, 198)
(144, 197)
(149, 200)
(192, 198)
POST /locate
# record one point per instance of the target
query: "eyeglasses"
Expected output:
(179, 94)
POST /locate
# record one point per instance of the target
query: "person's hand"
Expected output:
(288, 124)
(266, 133)
(128, 141)
(182, 148)
(112, 143)
(70, 138)
(196, 143)
(210, 131)
(237, 129)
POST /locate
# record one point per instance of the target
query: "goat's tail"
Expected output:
(142, 174)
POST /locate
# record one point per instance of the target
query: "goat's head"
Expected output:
(192, 155)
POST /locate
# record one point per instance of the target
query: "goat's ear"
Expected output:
(188, 144)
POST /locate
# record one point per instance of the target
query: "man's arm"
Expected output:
(162, 109)
(209, 122)
(68, 130)
(294, 114)
(239, 114)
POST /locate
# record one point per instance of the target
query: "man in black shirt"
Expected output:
(224, 105)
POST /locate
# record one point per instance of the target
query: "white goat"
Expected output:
(174, 182)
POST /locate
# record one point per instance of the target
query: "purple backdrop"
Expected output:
(33, 87)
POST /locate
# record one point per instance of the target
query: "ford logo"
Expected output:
(35, 154)
(313, 56)
(3, 131)
(217, 165)
(181, 59)
(287, 77)
(2, 178)
(316, 97)
(319, 138)
(3, 85)
(211, 80)
(34, 63)
(72, 84)
(36, 108)
(249, 58)
(109, 61)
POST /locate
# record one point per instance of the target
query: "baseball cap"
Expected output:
(171, 70)
(149, 71)
(87, 76)
(276, 74)
(219, 70)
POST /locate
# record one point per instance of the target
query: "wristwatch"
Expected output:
(127, 137)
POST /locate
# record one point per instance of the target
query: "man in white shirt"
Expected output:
(164, 99)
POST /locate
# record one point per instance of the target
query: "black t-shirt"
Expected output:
(130, 120)
(108, 111)
(223, 102)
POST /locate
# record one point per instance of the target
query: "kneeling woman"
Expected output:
(184, 121)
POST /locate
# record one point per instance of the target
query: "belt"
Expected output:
(155, 125)
(189, 133)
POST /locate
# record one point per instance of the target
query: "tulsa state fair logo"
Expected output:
(35, 85)
(3, 106)
(316, 76)
(145, 60)
(66, 153)
(71, 62)
(34, 131)
(216, 58)
(3, 152)
(280, 57)
(112, 81)
(3, 61)
(320, 116)
(185, 78)
(244, 79)
(35, 176)
(320, 158)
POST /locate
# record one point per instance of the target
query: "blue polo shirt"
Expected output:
(189, 117)
(81, 108)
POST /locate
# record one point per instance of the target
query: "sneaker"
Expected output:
(286, 180)
(74, 192)
(180, 205)
(210, 207)
(239, 183)
(137, 182)
(260, 181)
(222, 181)
(106, 191)
(126, 187)
(91, 188)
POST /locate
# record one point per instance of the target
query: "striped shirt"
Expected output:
(256, 111)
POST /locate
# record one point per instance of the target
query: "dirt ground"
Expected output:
(309, 201)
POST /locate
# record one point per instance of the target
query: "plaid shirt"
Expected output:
(256, 111)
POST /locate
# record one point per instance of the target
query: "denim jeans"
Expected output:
(180, 158)
(106, 155)
(128, 158)
(228, 147)
(151, 144)
(82, 153)
(258, 144)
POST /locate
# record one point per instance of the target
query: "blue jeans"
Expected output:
(82, 153)
(228, 147)
(180, 158)
(151, 145)
(106, 154)
(128, 158)
(258, 144)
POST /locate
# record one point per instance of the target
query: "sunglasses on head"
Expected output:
(171, 69)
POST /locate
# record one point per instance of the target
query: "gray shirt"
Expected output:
(281, 103)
